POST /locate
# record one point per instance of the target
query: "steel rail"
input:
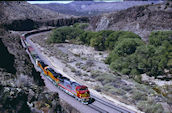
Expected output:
(110, 105)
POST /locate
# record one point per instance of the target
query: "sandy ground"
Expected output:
(155, 81)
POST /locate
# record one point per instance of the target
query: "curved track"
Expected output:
(99, 105)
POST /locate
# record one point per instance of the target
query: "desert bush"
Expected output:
(105, 78)
(85, 74)
(137, 96)
(150, 107)
(84, 67)
(95, 73)
(98, 88)
(126, 88)
(100, 78)
(78, 64)
(73, 69)
(117, 91)
(107, 87)
(137, 78)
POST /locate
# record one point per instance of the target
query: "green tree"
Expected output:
(159, 37)
(56, 37)
(127, 46)
(115, 36)
(97, 43)
(86, 36)
(151, 60)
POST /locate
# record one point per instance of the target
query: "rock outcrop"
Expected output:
(139, 19)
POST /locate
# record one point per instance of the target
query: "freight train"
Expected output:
(79, 92)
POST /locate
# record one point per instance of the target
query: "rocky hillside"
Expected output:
(139, 19)
(22, 90)
(22, 16)
(22, 10)
(91, 8)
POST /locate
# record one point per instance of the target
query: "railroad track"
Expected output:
(100, 110)
(97, 100)
(110, 105)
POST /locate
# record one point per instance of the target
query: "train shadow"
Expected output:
(91, 100)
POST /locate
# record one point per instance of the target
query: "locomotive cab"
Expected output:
(83, 93)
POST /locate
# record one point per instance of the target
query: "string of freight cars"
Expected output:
(79, 92)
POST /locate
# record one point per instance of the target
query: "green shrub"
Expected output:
(159, 37)
(137, 78)
(151, 60)
(107, 87)
(95, 73)
(126, 88)
(137, 96)
(125, 71)
(134, 72)
(106, 78)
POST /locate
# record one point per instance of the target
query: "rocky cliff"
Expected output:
(139, 19)
(22, 90)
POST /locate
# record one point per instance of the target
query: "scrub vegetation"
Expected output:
(129, 54)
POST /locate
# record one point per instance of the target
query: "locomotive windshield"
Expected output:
(83, 88)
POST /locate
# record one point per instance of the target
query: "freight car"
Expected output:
(80, 92)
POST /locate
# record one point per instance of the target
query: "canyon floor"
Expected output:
(84, 64)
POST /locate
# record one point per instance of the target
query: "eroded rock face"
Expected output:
(139, 19)
(22, 63)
